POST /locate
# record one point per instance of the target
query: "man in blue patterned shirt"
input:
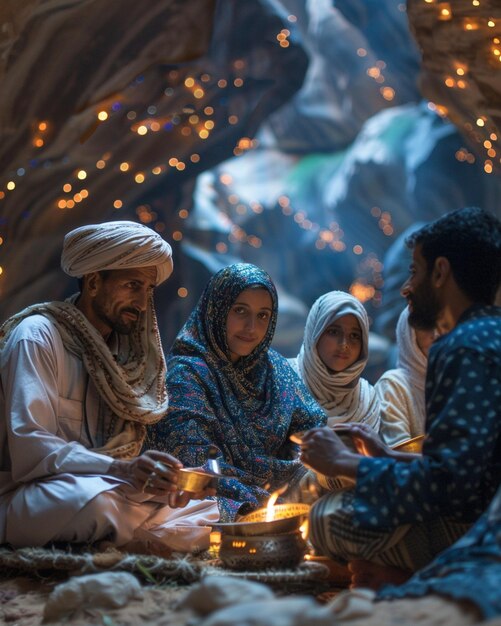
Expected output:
(405, 509)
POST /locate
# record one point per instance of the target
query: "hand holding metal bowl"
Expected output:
(366, 435)
(414, 445)
(196, 479)
(321, 447)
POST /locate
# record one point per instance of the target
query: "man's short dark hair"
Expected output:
(470, 239)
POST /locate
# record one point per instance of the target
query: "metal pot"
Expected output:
(262, 552)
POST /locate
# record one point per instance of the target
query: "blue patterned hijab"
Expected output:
(204, 334)
(245, 409)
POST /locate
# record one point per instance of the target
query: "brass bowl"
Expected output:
(280, 511)
(262, 552)
(288, 518)
(411, 445)
(194, 480)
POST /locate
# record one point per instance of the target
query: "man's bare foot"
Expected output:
(372, 576)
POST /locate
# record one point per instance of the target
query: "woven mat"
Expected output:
(307, 578)
(152, 569)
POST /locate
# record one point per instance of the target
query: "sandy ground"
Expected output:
(22, 601)
(23, 598)
(23, 594)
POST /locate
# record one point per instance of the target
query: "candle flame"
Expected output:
(270, 513)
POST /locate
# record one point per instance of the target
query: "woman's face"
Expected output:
(248, 321)
(340, 344)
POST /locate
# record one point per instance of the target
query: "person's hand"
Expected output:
(180, 499)
(366, 440)
(153, 472)
(322, 449)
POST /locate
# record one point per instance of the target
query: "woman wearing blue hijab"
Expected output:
(228, 389)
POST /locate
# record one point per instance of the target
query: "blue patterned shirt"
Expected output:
(460, 469)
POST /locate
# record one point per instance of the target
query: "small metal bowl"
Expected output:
(287, 518)
(194, 480)
(411, 445)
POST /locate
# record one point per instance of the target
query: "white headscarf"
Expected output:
(114, 246)
(410, 358)
(401, 390)
(344, 396)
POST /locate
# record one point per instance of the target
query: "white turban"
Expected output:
(114, 246)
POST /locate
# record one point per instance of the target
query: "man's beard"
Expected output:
(116, 323)
(124, 328)
(424, 307)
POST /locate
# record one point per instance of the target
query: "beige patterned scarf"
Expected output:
(132, 385)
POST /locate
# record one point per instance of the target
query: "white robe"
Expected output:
(401, 390)
(49, 478)
(402, 408)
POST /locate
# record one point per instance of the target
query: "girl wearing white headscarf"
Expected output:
(344, 395)
(401, 390)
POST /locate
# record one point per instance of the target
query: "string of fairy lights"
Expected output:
(476, 58)
(198, 121)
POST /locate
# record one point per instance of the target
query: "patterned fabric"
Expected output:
(468, 570)
(132, 385)
(246, 409)
(408, 547)
(345, 396)
(114, 246)
(460, 470)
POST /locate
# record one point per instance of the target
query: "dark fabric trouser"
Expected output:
(408, 547)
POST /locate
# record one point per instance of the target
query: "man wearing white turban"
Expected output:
(80, 382)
